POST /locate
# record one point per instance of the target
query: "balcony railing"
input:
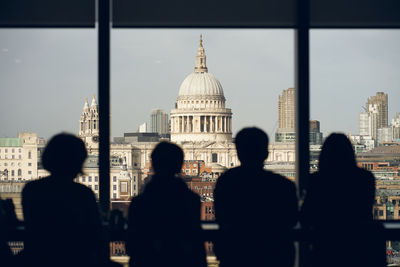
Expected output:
(210, 231)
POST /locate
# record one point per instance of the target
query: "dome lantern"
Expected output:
(201, 58)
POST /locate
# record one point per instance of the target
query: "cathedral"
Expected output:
(200, 114)
(200, 123)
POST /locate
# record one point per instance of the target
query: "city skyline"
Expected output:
(57, 70)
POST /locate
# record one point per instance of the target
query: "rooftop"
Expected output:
(392, 149)
(11, 142)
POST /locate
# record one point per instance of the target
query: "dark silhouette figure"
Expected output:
(5, 252)
(61, 216)
(255, 208)
(164, 220)
(338, 208)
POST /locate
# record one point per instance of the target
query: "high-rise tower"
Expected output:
(286, 109)
(159, 122)
(286, 106)
(380, 103)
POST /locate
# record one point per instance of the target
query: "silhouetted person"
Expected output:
(61, 216)
(338, 207)
(164, 220)
(255, 208)
(5, 252)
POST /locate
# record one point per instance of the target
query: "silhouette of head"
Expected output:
(64, 155)
(252, 146)
(167, 158)
(337, 153)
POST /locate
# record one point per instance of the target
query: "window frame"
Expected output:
(301, 25)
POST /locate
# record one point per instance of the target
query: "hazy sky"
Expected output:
(46, 74)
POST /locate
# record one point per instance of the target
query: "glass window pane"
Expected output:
(355, 91)
(44, 76)
(154, 98)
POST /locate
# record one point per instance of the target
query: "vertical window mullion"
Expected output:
(103, 15)
(302, 80)
(302, 73)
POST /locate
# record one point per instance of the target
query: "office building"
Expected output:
(287, 109)
(159, 122)
(380, 103)
(315, 133)
(287, 116)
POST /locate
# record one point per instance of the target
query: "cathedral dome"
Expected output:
(201, 84)
(200, 114)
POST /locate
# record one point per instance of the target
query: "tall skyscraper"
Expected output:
(380, 103)
(374, 118)
(286, 106)
(286, 109)
(159, 121)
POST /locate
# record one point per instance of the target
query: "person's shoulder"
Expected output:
(182, 186)
(82, 187)
(193, 196)
(365, 174)
(364, 171)
(279, 178)
(81, 191)
(234, 170)
(36, 184)
(229, 174)
(136, 201)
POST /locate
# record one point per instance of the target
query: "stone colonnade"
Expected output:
(202, 124)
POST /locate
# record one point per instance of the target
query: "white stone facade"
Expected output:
(89, 124)
(19, 157)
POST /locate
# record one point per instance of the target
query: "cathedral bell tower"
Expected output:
(89, 124)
